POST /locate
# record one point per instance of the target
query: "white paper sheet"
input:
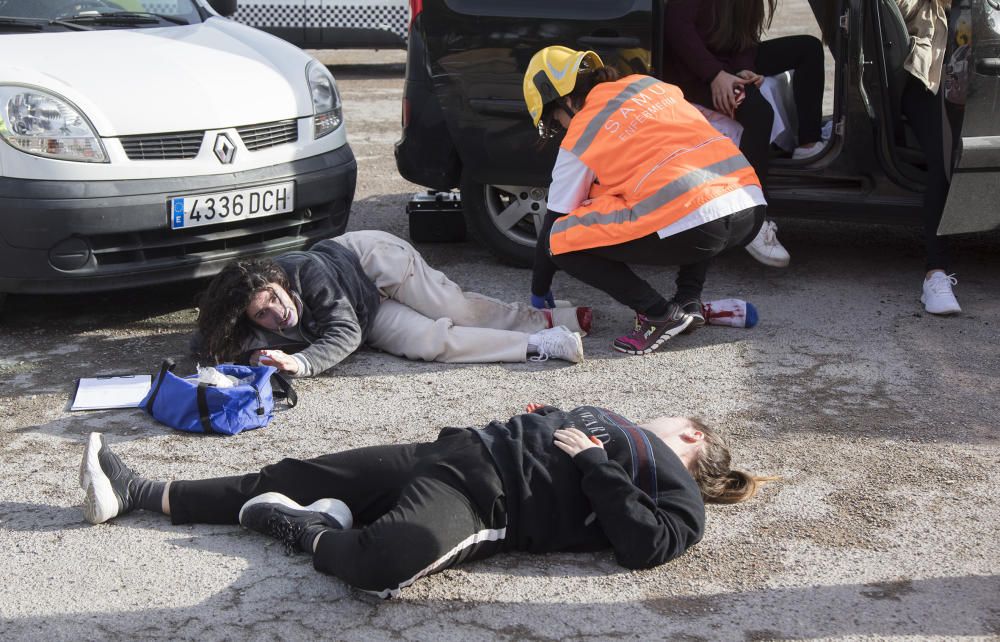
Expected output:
(111, 391)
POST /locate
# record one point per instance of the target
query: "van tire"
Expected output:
(484, 206)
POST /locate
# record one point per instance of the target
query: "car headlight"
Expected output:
(327, 114)
(37, 122)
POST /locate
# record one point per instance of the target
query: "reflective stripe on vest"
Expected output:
(661, 197)
(594, 126)
(655, 157)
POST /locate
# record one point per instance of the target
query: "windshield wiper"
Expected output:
(21, 23)
(125, 17)
(38, 24)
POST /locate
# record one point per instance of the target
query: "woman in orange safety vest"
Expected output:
(640, 178)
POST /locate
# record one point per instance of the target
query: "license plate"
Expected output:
(235, 205)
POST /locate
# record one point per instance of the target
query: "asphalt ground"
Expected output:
(879, 418)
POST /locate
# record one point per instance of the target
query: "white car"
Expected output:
(146, 141)
(331, 24)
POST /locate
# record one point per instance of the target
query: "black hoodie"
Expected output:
(634, 495)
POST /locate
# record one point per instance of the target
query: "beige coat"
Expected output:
(927, 23)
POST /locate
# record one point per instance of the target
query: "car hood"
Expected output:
(138, 81)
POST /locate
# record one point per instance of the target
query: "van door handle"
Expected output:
(988, 66)
(610, 42)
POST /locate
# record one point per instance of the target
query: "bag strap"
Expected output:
(165, 367)
(283, 389)
(203, 415)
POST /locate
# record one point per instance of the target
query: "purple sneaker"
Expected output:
(649, 334)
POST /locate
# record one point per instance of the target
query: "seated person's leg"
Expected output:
(757, 117)
(803, 55)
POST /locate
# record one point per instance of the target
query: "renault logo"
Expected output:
(224, 149)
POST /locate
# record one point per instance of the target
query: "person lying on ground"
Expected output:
(305, 312)
(640, 178)
(381, 517)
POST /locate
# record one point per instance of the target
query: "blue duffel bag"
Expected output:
(186, 404)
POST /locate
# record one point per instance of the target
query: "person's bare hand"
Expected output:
(532, 407)
(725, 86)
(756, 79)
(277, 358)
(573, 441)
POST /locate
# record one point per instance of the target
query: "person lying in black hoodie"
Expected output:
(381, 517)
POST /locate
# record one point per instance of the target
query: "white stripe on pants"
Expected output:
(424, 315)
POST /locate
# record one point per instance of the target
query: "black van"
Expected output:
(465, 124)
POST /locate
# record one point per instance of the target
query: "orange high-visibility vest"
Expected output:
(655, 157)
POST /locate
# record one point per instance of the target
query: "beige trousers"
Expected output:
(424, 315)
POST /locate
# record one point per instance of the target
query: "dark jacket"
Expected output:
(634, 495)
(690, 63)
(339, 303)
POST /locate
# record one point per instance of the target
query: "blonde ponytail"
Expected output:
(719, 483)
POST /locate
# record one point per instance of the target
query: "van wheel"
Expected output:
(505, 218)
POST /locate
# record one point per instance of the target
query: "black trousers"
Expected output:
(607, 268)
(804, 55)
(418, 508)
(924, 111)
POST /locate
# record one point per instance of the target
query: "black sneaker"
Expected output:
(107, 481)
(294, 525)
(649, 334)
(693, 308)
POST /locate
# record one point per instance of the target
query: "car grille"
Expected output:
(185, 145)
(177, 146)
(269, 135)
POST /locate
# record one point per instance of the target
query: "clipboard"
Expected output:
(110, 391)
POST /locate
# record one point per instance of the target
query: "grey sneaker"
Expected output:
(693, 308)
(289, 522)
(106, 480)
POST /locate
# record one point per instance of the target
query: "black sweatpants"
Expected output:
(924, 111)
(607, 268)
(418, 508)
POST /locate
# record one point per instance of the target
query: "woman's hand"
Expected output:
(750, 76)
(725, 87)
(572, 441)
(280, 360)
(532, 407)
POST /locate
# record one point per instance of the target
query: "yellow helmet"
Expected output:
(552, 73)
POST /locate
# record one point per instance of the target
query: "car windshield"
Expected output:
(98, 13)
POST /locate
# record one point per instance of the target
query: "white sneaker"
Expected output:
(766, 248)
(557, 343)
(937, 296)
(808, 151)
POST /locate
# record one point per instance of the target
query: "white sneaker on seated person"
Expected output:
(937, 296)
(804, 152)
(766, 248)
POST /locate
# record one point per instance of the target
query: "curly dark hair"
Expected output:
(222, 324)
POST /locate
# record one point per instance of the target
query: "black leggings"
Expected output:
(924, 112)
(804, 55)
(418, 508)
(606, 268)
